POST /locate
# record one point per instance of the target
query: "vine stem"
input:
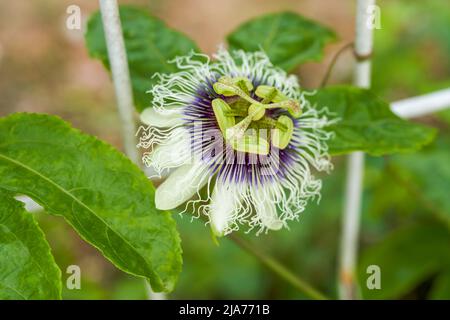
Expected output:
(122, 85)
(333, 63)
(278, 268)
(120, 74)
(355, 165)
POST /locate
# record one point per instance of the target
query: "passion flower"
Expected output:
(238, 138)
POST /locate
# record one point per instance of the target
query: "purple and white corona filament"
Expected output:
(238, 139)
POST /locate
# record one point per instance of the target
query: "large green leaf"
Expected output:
(406, 258)
(366, 123)
(288, 38)
(150, 44)
(105, 197)
(27, 268)
(428, 175)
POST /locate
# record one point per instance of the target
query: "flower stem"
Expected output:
(278, 269)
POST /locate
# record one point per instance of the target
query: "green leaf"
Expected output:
(406, 258)
(432, 186)
(100, 192)
(367, 124)
(444, 116)
(27, 268)
(441, 287)
(149, 43)
(288, 38)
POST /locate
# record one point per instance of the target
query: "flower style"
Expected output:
(238, 138)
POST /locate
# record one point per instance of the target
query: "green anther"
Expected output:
(295, 110)
(279, 100)
(270, 95)
(292, 106)
(221, 108)
(257, 110)
(267, 92)
(226, 86)
(251, 144)
(281, 138)
(244, 84)
(226, 80)
(225, 89)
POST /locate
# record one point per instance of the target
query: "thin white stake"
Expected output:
(422, 105)
(120, 74)
(355, 167)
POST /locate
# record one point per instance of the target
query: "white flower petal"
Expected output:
(266, 210)
(225, 203)
(181, 185)
(173, 152)
(155, 175)
(154, 118)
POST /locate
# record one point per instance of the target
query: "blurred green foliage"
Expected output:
(412, 49)
(287, 38)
